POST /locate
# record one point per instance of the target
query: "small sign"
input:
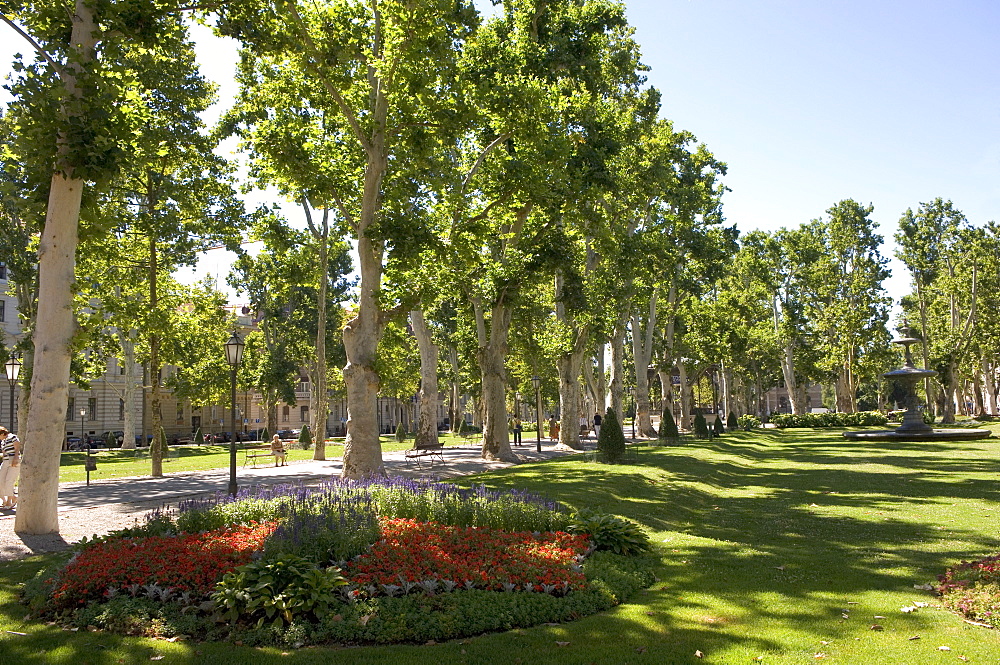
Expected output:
(256, 420)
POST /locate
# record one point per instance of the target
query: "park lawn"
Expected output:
(775, 545)
(125, 463)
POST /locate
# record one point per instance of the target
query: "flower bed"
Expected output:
(186, 563)
(357, 562)
(973, 589)
(435, 556)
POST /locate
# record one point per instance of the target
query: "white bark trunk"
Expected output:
(132, 379)
(362, 448)
(426, 431)
(989, 383)
(492, 354)
(642, 353)
(617, 385)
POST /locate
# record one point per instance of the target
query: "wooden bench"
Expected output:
(417, 453)
(252, 453)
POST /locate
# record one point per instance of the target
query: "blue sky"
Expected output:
(810, 102)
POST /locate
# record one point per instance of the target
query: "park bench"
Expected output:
(252, 453)
(417, 453)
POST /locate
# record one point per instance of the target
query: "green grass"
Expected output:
(125, 463)
(767, 539)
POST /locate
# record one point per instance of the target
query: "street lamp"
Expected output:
(536, 381)
(634, 414)
(234, 353)
(13, 369)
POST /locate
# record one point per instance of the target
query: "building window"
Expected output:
(303, 413)
(69, 410)
(3, 271)
(303, 384)
(121, 409)
(180, 411)
(91, 408)
(284, 414)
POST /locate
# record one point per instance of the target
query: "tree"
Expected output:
(668, 427)
(75, 106)
(701, 427)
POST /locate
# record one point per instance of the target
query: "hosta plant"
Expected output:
(278, 591)
(610, 532)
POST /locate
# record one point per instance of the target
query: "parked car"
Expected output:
(288, 433)
(118, 434)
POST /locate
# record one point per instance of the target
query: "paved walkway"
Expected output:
(458, 461)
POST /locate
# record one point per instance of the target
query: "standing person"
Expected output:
(517, 431)
(597, 425)
(584, 426)
(278, 448)
(10, 467)
(553, 428)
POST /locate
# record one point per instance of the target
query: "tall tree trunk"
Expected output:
(989, 381)
(319, 407)
(158, 445)
(570, 365)
(492, 355)
(685, 394)
(45, 429)
(950, 383)
(132, 379)
(642, 354)
(426, 431)
(455, 411)
(362, 448)
(617, 386)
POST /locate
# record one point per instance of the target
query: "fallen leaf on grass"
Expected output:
(779, 567)
(156, 657)
(853, 602)
(649, 614)
(824, 642)
(699, 654)
(919, 604)
(845, 615)
(876, 626)
(562, 644)
(915, 637)
(640, 650)
(819, 655)
(924, 587)
(963, 659)
(944, 648)
(908, 609)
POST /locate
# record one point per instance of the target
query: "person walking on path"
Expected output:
(517, 431)
(10, 467)
(553, 428)
(597, 425)
(278, 448)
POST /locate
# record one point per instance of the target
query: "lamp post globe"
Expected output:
(234, 354)
(13, 369)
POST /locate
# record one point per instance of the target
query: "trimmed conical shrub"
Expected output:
(199, 438)
(668, 426)
(400, 433)
(731, 422)
(719, 429)
(611, 442)
(264, 435)
(305, 438)
(701, 427)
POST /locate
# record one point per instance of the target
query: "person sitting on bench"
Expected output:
(278, 448)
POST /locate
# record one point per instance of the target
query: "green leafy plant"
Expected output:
(611, 442)
(731, 423)
(305, 438)
(748, 422)
(609, 532)
(718, 429)
(400, 432)
(199, 438)
(668, 426)
(264, 435)
(278, 591)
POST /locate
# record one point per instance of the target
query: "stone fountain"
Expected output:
(913, 427)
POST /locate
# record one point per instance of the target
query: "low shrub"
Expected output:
(748, 422)
(668, 426)
(732, 424)
(830, 419)
(305, 438)
(610, 532)
(701, 427)
(717, 428)
(400, 433)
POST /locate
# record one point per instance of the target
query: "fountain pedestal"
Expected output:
(913, 427)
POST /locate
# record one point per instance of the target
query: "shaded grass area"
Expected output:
(774, 544)
(117, 463)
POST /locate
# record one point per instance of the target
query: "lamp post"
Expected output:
(632, 392)
(87, 463)
(13, 369)
(234, 353)
(536, 381)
